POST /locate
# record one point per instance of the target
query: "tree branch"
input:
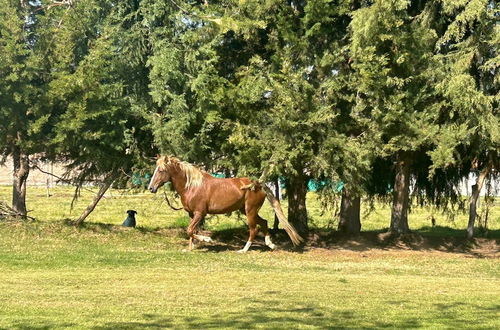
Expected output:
(59, 178)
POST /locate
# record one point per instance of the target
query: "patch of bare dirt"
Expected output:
(414, 242)
(365, 243)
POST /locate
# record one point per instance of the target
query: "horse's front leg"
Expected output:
(196, 219)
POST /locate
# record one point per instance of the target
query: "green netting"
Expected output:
(139, 179)
(317, 185)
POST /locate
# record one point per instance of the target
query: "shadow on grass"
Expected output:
(441, 239)
(271, 312)
(41, 326)
(259, 314)
(234, 239)
(438, 238)
(108, 228)
(441, 231)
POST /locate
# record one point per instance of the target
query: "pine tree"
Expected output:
(284, 96)
(468, 139)
(257, 90)
(392, 47)
(101, 85)
(191, 65)
(25, 118)
(347, 151)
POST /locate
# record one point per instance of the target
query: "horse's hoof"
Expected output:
(206, 239)
(241, 251)
(272, 247)
(203, 238)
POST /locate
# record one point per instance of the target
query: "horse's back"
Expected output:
(229, 194)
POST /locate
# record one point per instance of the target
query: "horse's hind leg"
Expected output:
(252, 218)
(253, 221)
(263, 227)
(252, 232)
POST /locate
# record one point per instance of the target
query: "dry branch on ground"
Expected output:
(7, 212)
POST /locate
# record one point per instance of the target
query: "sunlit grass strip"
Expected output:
(153, 212)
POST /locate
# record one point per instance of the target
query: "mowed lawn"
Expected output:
(103, 276)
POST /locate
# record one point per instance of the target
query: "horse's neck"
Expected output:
(178, 179)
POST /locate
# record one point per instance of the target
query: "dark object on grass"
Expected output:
(130, 221)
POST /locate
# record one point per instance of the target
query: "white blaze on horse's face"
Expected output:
(158, 179)
(150, 187)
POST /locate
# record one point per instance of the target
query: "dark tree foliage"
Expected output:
(389, 97)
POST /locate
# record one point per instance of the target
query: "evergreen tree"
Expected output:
(187, 88)
(25, 118)
(468, 139)
(284, 96)
(347, 150)
(74, 88)
(392, 46)
(257, 90)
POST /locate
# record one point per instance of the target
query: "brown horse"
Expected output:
(202, 194)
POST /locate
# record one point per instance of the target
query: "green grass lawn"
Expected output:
(102, 276)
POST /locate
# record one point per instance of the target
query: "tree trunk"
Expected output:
(476, 190)
(401, 197)
(349, 222)
(297, 211)
(20, 176)
(104, 187)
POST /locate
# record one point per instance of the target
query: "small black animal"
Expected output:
(130, 221)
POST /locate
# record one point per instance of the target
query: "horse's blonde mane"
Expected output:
(194, 176)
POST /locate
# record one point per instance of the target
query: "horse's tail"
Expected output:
(275, 203)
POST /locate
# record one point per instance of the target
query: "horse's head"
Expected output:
(160, 176)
